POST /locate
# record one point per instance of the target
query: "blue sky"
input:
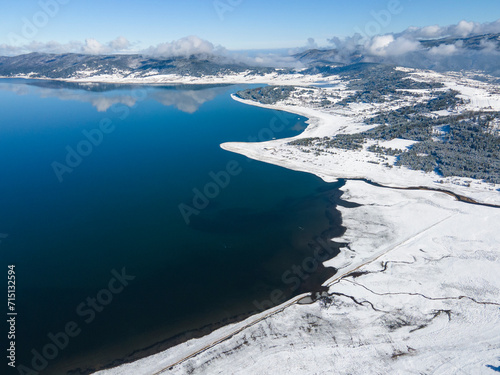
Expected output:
(234, 24)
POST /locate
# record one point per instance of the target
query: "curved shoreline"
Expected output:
(277, 152)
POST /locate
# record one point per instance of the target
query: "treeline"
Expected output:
(381, 83)
(468, 149)
(464, 145)
(267, 94)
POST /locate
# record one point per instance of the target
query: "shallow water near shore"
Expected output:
(203, 236)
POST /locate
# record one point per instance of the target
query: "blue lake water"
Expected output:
(96, 178)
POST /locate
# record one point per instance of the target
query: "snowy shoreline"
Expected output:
(175, 79)
(349, 164)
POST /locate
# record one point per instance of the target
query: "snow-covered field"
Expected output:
(417, 289)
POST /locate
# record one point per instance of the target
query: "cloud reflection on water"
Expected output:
(186, 98)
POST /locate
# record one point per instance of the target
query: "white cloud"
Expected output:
(405, 48)
(8, 50)
(444, 50)
(93, 47)
(378, 44)
(120, 43)
(311, 43)
(463, 29)
(488, 45)
(433, 31)
(394, 44)
(190, 45)
(387, 45)
(403, 45)
(460, 30)
(48, 47)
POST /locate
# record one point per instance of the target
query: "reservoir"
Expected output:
(126, 221)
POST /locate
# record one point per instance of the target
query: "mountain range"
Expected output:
(323, 61)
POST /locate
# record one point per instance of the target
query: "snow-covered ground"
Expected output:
(417, 289)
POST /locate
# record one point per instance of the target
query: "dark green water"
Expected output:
(117, 206)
